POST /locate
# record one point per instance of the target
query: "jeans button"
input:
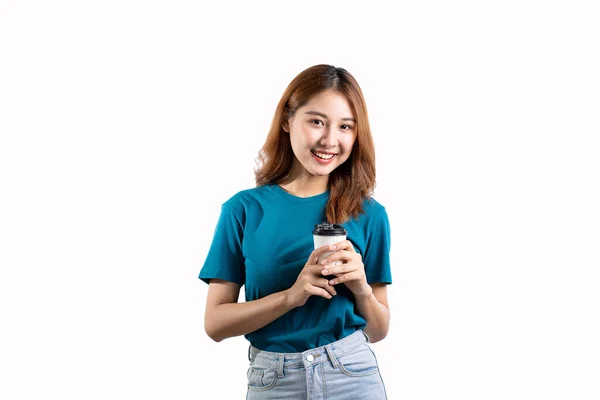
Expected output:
(310, 358)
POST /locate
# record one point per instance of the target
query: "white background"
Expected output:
(126, 124)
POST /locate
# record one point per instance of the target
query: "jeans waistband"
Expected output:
(309, 358)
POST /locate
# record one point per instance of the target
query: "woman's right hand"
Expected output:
(310, 281)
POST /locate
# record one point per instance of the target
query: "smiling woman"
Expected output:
(322, 108)
(323, 140)
(309, 313)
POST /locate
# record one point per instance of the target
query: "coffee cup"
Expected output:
(325, 233)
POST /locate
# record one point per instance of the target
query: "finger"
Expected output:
(316, 253)
(324, 283)
(351, 276)
(343, 255)
(317, 291)
(345, 245)
(333, 269)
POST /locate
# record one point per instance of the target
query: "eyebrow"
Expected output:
(320, 114)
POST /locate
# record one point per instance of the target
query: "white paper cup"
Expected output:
(328, 234)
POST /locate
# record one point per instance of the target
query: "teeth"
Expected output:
(323, 156)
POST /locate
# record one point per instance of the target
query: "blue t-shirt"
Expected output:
(263, 240)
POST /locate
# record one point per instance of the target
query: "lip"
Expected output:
(320, 160)
(324, 152)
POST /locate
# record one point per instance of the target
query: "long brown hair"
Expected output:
(350, 183)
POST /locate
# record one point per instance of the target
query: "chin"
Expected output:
(319, 170)
(323, 172)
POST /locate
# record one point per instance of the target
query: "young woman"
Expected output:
(308, 319)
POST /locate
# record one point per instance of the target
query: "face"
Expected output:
(322, 133)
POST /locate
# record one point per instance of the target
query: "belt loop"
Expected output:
(249, 358)
(366, 336)
(332, 356)
(280, 366)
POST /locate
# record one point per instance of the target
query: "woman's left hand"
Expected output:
(347, 266)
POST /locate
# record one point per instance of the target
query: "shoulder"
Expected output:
(246, 199)
(371, 229)
(248, 195)
(373, 216)
(373, 209)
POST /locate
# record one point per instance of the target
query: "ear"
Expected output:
(285, 126)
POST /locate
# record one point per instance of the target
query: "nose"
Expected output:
(328, 139)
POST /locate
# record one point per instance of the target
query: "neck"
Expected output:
(303, 184)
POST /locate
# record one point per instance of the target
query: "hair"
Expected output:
(350, 183)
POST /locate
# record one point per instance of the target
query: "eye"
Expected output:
(316, 121)
(346, 127)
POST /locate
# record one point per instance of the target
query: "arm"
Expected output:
(374, 308)
(225, 317)
(371, 300)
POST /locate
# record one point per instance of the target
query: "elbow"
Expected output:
(377, 334)
(211, 330)
(213, 335)
(377, 338)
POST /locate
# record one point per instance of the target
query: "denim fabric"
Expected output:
(343, 370)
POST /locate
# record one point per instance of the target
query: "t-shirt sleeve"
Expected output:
(225, 259)
(377, 253)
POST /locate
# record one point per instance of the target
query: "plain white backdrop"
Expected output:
(126, 124)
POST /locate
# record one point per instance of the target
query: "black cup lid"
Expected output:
(326, 229)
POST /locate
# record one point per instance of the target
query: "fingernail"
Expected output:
(332, 282)
(332, 247)
(324, 272)
(324, 261)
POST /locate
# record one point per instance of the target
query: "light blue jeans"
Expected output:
(343, 370)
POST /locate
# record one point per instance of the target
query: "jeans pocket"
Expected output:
(360, 362)
(261, 378)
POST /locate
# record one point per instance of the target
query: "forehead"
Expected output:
(330, 102)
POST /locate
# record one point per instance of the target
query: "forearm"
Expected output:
(235, 319)
(376, 314)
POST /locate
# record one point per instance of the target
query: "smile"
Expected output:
(323, 156)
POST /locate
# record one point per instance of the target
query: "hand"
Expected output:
(347, 267)
(310, 282)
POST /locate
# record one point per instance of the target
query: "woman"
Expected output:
(308, 320)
